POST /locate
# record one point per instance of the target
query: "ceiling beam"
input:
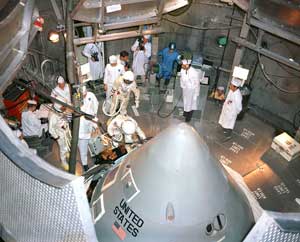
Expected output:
(266, 53)
(116, 36)
(78, 6)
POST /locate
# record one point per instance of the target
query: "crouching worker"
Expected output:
(123, 128)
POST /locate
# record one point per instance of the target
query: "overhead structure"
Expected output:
(106, 15)
(277, 17)
(16, 33)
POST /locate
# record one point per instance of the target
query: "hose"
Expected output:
(162, 104)
(271, 81)
(115, 113)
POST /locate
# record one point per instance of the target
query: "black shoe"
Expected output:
(86, 168)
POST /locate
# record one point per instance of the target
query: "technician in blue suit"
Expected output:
(169, 56)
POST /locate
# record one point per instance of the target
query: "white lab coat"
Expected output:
(90, 104)
(111, 74)
(190, 84)
(96, 67)
(139, 61)
(31, 124)
(62, 95)
(148, 48)
(231, 108)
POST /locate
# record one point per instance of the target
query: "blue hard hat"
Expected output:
(172, 46)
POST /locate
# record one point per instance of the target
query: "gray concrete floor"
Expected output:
(274, 182)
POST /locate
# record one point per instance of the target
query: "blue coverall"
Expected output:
(166, 67)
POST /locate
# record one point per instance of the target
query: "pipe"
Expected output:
(72, 79)
(223, 54)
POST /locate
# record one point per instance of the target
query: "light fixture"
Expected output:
(222, 41)
(53, 36)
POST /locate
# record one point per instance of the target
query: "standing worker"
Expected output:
(94, 54)
(190, 84)
(113, 71)
(62, 93)
(144, 41)
(231, 108)
(90, 106)
(123, 57)
(169, 56)
(58, 125)
(139, 62)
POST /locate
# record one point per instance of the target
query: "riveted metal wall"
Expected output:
(33, 211)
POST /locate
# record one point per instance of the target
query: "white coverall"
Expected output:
(96, 67)
(59, 129)
(85, 130)
(121, 94)
(114, 129)
(148, 48)
(31, 124)
(111, 74)
(190, 84)
(62, 95)
(138, 64)
(90, 106)
(231, 108)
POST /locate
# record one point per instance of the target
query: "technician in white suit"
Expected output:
(113, 71)
(231, 107)
(90, 106)
(190, 84)
(93, 52)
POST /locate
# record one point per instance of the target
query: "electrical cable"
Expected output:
(201, 28)
(162, 104)
(297, 114)
(271, 81)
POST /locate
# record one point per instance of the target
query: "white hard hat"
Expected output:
(128, 127)
(220, 88)
(113, 59)
(236, 82)
(128, 75)
(186, 62)
(33, 102)
(147, 36)
(60, 79)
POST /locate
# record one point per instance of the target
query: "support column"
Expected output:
(73, 80)
(239, 52)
